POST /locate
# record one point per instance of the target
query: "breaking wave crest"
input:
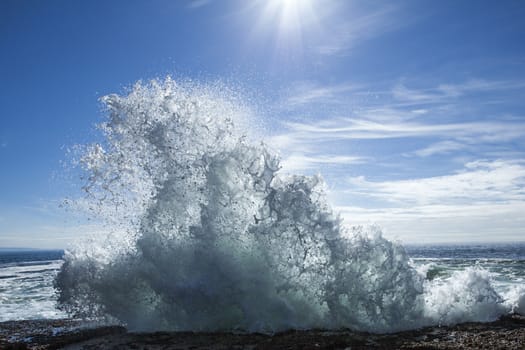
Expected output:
(208, 235)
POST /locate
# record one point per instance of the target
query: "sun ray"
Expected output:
(287, 22)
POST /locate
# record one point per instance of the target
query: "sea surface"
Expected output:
(26, 284)
(505, 262)
(27, 291)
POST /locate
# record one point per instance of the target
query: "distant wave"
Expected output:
(208, 235)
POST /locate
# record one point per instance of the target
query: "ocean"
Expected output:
(505, 262)
(26, 284)
(27, 291)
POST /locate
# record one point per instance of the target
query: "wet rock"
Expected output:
(506, 333)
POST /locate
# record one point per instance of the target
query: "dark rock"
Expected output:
(506, 333)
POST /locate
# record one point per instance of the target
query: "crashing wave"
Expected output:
(208, 235)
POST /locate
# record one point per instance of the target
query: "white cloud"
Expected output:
(337, 129)
(496, 222)
(478, 182)
(297, 162)
(442, 147)
(484, 201)
(401, 92)
(446, 92)
(305, 92)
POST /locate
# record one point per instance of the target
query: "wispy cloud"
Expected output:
(349, 33)
(442, 147)
(338, 129)
(400, 99)
(300, 162)
(430, 113)
(394, 131)
(476, 85)
(443, 92)
(194, 4)
(306, 92)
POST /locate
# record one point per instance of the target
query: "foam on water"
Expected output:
(26, 290)
(207, 235)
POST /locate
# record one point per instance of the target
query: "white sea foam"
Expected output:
(26, 290)
(467, 295)
(516, 298)
(207, 235)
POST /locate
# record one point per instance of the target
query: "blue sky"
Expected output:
(413, 111)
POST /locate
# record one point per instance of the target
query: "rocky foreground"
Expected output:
(506, 333)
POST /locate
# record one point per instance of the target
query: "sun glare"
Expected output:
(288, 19)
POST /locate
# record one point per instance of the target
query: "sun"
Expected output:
(287, 19)
(290, 3)
(292, 14)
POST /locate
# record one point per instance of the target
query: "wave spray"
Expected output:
(207, 235)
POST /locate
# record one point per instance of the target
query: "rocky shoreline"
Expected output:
(505, 333)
